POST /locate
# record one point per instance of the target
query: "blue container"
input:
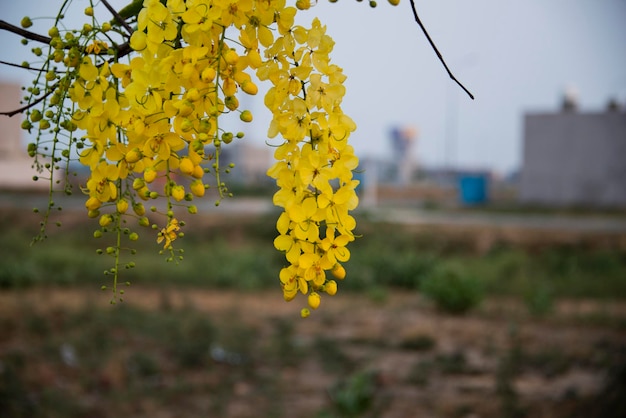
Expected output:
(473, 188)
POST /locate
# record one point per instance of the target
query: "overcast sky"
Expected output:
(515, 56)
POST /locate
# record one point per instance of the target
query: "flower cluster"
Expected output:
(314, 163)
(148, 124)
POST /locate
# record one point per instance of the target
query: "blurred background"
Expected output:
(489, 280)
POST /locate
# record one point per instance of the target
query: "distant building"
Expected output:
(251, 162)
(574, 158)
(402, 143)
(16, 170)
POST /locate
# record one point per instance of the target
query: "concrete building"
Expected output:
(251, 163)
(574, 158)
(16, 171)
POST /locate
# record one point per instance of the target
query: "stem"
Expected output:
(118, 245)
(217, 130)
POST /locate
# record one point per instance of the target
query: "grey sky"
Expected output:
(515, 56)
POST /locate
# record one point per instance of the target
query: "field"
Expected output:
(537, 327)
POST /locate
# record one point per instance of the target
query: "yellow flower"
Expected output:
(335, 247)
(290, 246)
(102, 183)
(124, 71)
(305, 217)
(295, 122)
(162, 145)
(169, 233)
(200, 15)
(289, 282)
(96, 47)
(158, 23)
(322, 95)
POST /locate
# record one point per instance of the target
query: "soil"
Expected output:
(497, 361)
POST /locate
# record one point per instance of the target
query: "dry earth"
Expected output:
(495, 362)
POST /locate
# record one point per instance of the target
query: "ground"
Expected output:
(389, 355)
(174, 350)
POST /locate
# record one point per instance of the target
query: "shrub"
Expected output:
(452, 290)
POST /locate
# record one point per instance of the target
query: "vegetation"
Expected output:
(142, 356)
(387, 257)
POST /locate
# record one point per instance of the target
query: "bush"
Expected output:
(452, 290)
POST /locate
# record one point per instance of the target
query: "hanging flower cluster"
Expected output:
(147, 123)
(314, 164)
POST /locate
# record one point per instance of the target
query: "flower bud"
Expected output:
(249, 87)
(105, 220)
(178, 192)
(92, 203)
(139, 183)
(122, 205)
(339, 272)
(186, 166)
(150, 174)
(231, 57)
(139, 209)
(314, 300)
(197, 188)
(331, 287)
(231, 102)
(246, 116)
(26, 22)
(133, 155)
(208, 74)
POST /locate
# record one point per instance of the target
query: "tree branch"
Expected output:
(117, 17)
(31, 104)
(24, 33)
(23, 67)
(432, 44)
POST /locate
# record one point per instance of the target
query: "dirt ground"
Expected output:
(495, 362)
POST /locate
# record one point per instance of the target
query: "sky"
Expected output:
(515, 56)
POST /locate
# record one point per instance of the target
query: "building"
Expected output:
(251, 163)
(16, 171)
(573, 158)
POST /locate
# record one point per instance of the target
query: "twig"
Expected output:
(432, 44)
(117, 17)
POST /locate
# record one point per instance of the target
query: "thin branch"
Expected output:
(122, 51)
(24, 33)
(31, 104)
(117, 17)
(432, 44)
(23, 67)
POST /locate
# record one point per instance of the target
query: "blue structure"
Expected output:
(473, 188)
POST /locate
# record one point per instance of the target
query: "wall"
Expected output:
(15, 166)
(574, 159)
